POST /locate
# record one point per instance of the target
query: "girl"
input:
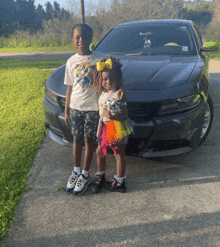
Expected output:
(113, 129)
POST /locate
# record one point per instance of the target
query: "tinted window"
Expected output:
(150, 39)
(198, 37)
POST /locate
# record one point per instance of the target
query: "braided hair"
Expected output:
(97, 75)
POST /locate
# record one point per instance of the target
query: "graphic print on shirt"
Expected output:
(84, 74)
(113, 105)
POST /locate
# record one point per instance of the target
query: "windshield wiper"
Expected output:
(138, 54)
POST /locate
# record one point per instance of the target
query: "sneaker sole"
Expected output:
(96, 191)
(69, 190)
(118, 190)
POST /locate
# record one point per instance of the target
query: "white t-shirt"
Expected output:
(102, 99)
(79, 74)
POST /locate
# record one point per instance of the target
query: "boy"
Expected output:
(81, 109)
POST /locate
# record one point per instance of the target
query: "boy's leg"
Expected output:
(77, 131)
(77, 151)
(90, 128)
(88, 155)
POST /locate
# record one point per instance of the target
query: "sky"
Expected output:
(62, 3)
(66, 3)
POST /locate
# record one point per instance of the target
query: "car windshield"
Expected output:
(147, 40)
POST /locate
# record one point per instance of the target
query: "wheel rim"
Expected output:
(207, 119)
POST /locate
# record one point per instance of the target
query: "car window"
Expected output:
(198, 37)
(148, 39)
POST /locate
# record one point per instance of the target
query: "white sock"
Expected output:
(85, 173)
(119, 179)
(77, 170)
(100, 173)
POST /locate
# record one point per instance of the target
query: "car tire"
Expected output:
(208, 119)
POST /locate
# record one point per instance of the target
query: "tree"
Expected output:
(201, 13)
(49, 11)
(7, 13)
(213, 30)
(40, 15)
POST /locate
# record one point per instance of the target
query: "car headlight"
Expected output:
(179, 105)
(50, 96)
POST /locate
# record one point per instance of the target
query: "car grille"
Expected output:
(139, 112)
(142, 111)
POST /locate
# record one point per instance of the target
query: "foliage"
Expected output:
(200, 12)
(23, 15)
(53, 25)
(213, 29)
(22, 128)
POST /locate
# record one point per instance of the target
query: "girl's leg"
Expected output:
(120, 159)
(99, 181)
(117, 184)
(101, 160)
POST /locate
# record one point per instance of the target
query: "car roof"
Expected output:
(157, 21)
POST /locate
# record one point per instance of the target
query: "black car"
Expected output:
(165, 68)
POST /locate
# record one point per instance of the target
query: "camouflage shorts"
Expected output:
(84, 123)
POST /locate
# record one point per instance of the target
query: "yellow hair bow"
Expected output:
(101, 65)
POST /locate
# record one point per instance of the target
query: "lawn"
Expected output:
(215, 55)
(32, 48)
(22, 128)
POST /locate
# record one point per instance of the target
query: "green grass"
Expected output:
(22, 128)
(32, 48)
(215, 55)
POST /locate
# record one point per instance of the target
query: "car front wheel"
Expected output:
(208, 119)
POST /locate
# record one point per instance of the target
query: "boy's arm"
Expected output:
(67, 105)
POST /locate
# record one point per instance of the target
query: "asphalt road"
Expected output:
(173, 201)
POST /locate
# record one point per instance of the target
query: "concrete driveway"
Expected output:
(169, 202)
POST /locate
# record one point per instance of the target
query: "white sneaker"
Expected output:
(72, 182)
(81, 184)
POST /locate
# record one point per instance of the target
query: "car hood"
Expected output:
(141, 72)
(156, 72)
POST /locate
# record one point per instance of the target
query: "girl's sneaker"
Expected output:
(81, 184)
(114, 186)
(71, 182)
(98, 183)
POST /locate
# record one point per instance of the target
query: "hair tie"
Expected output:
(102, 65)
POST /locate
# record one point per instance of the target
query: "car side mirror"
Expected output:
(210, 46)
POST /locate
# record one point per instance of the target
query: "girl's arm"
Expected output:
(67, 105)
(120, 95)
(120, 117)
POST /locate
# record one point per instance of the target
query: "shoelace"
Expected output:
(72, 177)
(80, 180)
